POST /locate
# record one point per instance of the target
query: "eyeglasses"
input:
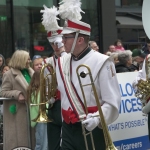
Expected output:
(67, 37)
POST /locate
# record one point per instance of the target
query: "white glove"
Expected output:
(146, 108)
(59, 42)
(143, 103)
(51, 101)
(135, 82)
(91, 122)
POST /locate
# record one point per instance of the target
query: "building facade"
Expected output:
(21, 28)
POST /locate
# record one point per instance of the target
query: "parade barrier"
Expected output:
(130, 130)
(28, 118)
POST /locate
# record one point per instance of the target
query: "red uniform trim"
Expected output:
(70, 117)
(77, 26)
(75, 88)
(49, 34)
(67, 93)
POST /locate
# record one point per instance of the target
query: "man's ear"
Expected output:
(80, 40)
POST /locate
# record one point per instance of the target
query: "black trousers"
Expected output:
(72, 138)
(54, 128)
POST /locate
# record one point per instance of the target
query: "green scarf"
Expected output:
(26, 75)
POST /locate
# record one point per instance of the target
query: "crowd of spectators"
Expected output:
(125, 60)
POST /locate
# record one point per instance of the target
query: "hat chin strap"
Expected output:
(75, 40)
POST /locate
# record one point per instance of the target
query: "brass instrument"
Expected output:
(47, 91)
(143, 87)
(109, 143)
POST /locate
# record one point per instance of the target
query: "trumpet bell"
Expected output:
(47, 91)
(42, 118)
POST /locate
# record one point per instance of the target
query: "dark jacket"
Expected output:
(121, 68)
(1, 68)
(145, 49)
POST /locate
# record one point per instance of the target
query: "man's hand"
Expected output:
(21, 98)
(51, 101)
(59, 44)
(146, 108)
(91, 122)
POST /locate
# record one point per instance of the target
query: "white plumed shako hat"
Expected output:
(70, 10)
(54, 31)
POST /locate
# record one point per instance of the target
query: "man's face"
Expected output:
(95, 46)
(68, 40)
(139, 59)
(55, 47)
(112, 48)
(37, 64)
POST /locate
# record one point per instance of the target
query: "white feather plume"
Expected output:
(50, 18)
(70, 9)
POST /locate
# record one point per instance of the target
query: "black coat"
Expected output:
(134, 67)
(121, 68)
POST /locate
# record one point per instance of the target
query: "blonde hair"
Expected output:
(19, 59)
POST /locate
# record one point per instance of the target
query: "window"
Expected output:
(29, 33)
(132, 38)
(5, 31)
(129, 3)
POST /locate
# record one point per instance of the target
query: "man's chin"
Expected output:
(68, 51)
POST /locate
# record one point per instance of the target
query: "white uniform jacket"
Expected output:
(105, 81)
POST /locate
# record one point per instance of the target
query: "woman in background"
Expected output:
(14, 85)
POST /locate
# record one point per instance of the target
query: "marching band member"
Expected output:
(54, 112)
(143, 75)
(75, 38)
